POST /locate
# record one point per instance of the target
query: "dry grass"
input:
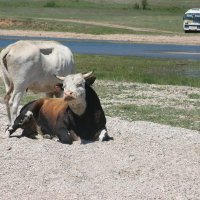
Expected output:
(165, 104)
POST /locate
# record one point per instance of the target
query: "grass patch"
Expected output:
(169, 105)
(168, 116)
(143, 70)
(51, 4)
(194, 96)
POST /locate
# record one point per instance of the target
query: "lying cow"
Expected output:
(78, 115)
(32, 65)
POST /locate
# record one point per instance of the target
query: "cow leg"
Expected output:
(6, 101)
(22, 121)
(103, 136)
(13, 105)
(9, 90)
(26, 118)
(64, 136)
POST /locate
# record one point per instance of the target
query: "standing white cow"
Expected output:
(32, 65)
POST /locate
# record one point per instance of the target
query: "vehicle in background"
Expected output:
(191, 20)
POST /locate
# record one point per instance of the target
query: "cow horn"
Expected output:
(87, 75)
(60, 78)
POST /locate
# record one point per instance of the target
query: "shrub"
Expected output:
(50, 4)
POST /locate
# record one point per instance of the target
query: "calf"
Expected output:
(78, 115)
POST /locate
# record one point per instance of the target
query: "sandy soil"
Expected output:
(145, 161)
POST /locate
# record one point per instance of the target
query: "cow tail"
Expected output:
(7, 80)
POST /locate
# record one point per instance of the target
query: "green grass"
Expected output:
(168, 115)
(162, 16)
(194, 96)
(139, 69)
(122, 4)
(143, 70)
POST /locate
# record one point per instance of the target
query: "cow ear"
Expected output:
(89, 78)
(60, 78)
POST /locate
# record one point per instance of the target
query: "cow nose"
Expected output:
(68, 93)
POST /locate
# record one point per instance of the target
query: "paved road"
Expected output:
(120, 49)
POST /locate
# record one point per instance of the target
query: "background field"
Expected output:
(163, 17)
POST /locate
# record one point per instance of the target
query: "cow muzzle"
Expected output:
(69, 96)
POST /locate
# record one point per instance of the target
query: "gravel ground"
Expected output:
(145, 161)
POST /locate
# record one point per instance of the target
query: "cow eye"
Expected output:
(79, 84)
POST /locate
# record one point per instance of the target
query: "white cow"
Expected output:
(32, 65)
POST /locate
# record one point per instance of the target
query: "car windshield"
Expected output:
(189, 17)
(197, 19)
(193, 17)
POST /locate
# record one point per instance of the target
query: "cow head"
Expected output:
(74, 90)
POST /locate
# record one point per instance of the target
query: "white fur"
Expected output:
(75, 85)
(102, 135)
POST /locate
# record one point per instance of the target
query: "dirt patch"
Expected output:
(9, 22)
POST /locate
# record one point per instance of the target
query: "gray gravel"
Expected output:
(145, 161)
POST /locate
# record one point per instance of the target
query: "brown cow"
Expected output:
(78, 115)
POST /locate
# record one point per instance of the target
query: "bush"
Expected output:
(50, 4)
